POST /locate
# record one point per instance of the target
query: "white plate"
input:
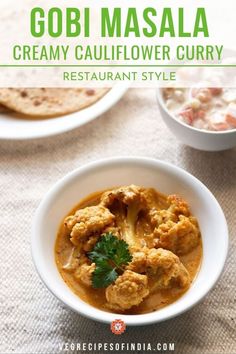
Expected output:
(146, 172)
(14, 128)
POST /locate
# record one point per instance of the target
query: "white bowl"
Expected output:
(196, 138)
(15, 128)
(124, 171)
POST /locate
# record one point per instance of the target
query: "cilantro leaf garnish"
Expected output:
(103, 275)
(110, 255)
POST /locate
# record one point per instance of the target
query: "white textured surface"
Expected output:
(31, 319)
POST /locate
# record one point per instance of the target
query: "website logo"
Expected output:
(118, 327)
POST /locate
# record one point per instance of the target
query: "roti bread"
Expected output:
(4, 109)
(49, 102)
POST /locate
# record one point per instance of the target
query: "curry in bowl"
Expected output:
(129, 250)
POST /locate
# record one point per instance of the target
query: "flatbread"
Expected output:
(4, 109)
(48, 102)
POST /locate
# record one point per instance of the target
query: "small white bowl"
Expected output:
(196, 138)
(124, 171)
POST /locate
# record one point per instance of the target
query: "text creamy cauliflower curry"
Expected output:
(129, 250)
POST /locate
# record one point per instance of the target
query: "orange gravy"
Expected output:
(96, 297)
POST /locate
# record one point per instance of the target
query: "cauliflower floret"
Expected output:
(74, 259)
(89, 244)
(153, 198)
(180, 237)
(158, 217)
(129, 290)
(84, 274)
(72, 262)
(114, 230)
(88, 221)
(139, 261)
(126, 195)
(178, 206)
(174, 228)
(163, 266)
(166, 268)
(126, 203)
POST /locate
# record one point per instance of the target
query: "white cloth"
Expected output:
(32, 320)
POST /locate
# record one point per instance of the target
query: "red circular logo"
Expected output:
(118, 327)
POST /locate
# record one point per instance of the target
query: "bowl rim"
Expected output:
(94, 313)
(202, 131)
